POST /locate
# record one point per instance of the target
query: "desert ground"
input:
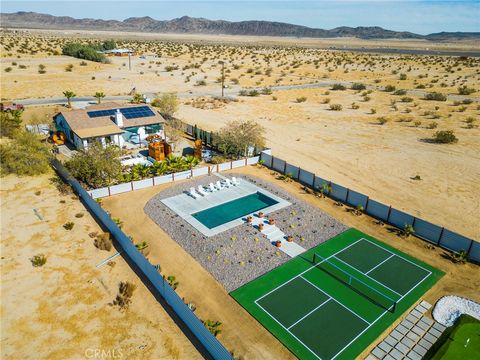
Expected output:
(375, 142)
(349, 146)
(62, 308)
(240, 331)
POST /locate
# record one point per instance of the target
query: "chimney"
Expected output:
(119, 118)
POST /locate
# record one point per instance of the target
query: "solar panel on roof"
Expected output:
(129, 113)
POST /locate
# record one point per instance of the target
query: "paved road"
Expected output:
(230, 92)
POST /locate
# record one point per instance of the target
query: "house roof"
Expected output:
(84, 125)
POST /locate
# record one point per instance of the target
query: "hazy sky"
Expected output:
(422, 17)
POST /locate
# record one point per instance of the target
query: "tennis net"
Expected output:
(377, 296)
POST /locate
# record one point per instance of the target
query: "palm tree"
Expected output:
(159, 168)
(99, 96)
(176, 163)
(191, 161)
(69, 95)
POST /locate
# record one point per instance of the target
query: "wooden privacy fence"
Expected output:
(425, 230)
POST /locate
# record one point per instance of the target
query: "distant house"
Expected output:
(119, 52)
(109, 123)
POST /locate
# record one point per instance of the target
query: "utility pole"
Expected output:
(223, 76)
(129, 62)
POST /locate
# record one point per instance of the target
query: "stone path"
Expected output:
(411, 339)
(274, 234)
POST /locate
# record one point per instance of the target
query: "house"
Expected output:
(110, 123)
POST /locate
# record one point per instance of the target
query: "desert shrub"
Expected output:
(25, 155)
(301, 99)
(382, 120)
(336, 107)
(432, 125)
(236, 137)
(219, 159)
(167, 103)
(407, 230)
(467, 101)
(266, 91)
(38, 260)
(62, 187)
(435, 96)
(172, 281)
(213, 326)
(464, 90)
(445, 137)
(389, 88)
(338, 87)
(253, 93)
(124, 296)
(400, 92)
(69, 225)
(403, 77)
(201, 83)
(97, 166)
(69, 68)
(83, 63)
(8, 69)
(417, 123)
(10, 123)
(358, 86)
(103, 241)
(407, 99)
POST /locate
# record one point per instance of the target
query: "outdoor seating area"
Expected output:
(202, 191)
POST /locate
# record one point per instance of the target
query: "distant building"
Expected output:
(109, 123)
(119, 52)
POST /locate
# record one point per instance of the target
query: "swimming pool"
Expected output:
(231, 210)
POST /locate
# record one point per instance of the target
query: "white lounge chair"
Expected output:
(235, 181)
(228, 183)
(202, 191)
(193, 193)
(219, 185)
(211, 187)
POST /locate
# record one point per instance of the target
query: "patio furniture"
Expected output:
(193, 193)
(228, 183)
(212, 187)
(219, 185)
(202, 191)
(235, 181)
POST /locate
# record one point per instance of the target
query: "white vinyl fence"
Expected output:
(158, 180)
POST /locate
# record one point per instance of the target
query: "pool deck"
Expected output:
(185, 205)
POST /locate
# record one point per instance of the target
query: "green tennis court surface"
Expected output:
(335, 299)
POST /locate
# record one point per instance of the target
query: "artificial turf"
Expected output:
(316, 315)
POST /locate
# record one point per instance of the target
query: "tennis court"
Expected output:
(334, 300)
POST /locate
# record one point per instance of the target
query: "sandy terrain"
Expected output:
(241, 332)
(61, 310)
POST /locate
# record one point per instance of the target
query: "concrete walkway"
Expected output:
(273, 233)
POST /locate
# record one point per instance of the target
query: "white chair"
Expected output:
(219, 185)
(202, 191)
(228, 183)
(193, 193)
(211, 187)
(235, 181)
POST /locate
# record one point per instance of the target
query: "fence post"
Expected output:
(313, 181)
(346, 198)
(218, 168)
(285, 168)
(273, 160)
(131, 185)
(153, 181)
(246, 161)
(173, 176)
(366, 204)
(440, 236)
(470, 248)
(231, 165)
(389, 211)
(109, 193)
(191, 172)
(413, 222)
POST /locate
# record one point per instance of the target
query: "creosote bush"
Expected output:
(445, 137)
(38, 260)
(124, 296)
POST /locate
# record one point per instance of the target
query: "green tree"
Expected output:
(159, 168)
(25, 155)
(10, 123)
(137, 98)
(167, 103)
(99, 96)
(236, 137)
(96, 166)
(69, 95)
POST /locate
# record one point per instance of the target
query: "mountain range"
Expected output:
(189, 25)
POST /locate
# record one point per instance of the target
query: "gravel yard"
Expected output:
(241, 254)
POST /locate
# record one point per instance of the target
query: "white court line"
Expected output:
(401, 257)
(308, 314)
(376, 266)
(303, 272)
(361, 272)
(300, 341)
(338, 302)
